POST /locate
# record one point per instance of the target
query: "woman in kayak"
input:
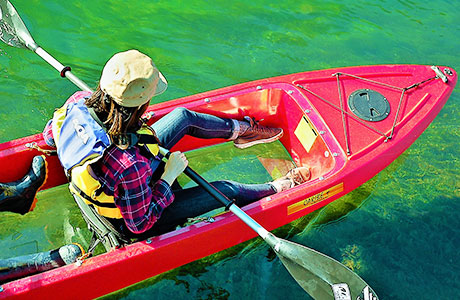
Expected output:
(128, 183)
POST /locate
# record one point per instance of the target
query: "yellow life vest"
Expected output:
(83, 181)
(89, 188)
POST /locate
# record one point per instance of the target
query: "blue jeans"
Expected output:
(181, 121)
(195, 201)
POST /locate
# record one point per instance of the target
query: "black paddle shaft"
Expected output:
(208, 187)
(212, 190)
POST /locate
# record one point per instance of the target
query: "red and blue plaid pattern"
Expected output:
(126, 175)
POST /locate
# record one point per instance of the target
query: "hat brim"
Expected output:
(162, 84)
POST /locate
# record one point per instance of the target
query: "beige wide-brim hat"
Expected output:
(132, 79)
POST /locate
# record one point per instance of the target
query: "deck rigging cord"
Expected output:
(344, 113)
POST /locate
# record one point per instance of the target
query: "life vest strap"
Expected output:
(91, 200)
(138, 138)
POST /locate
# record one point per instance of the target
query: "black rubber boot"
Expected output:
(19, 196)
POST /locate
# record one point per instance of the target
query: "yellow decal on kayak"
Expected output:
(305, 133)
(315, 199)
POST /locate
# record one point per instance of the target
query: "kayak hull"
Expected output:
(321, 130)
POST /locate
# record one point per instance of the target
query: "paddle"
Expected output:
(319, 275)
(14, 33)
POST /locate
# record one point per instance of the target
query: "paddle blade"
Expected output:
(12, 30)
(321, 276)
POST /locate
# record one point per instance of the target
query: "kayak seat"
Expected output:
(101, 229)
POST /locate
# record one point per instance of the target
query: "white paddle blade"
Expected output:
(322, 276)
(12, 29)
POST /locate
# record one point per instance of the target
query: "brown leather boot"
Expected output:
(19, 196)
(257, 134)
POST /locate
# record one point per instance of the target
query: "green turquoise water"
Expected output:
(400, 231)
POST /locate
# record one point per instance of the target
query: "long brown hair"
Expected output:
(117, 119)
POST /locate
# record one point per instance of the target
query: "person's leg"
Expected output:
(19, 196)
(195, 201)
(181, 121)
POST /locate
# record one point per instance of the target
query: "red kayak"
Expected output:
(347, 124)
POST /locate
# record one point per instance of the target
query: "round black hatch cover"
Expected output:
(369, 105)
